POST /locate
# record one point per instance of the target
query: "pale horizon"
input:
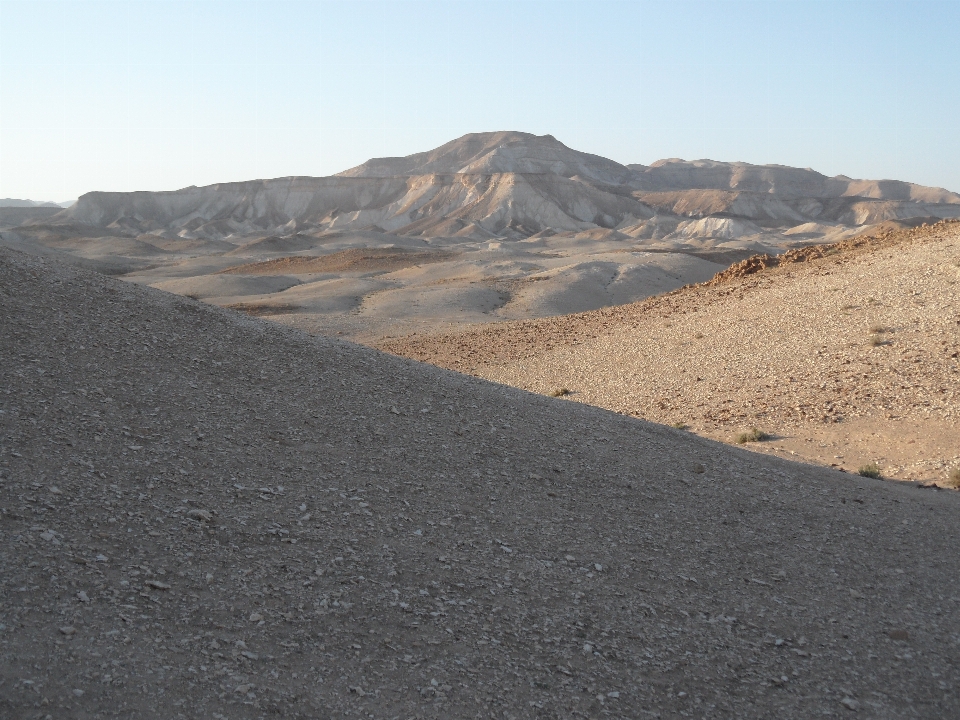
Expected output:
(114, 96)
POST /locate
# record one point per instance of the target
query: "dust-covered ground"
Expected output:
(847, 356)
(207, 515)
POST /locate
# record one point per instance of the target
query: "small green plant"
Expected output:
(869, 471)
(559, 392)
(679, 425)
(754, 435)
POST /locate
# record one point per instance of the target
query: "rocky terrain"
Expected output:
(845, 355)
(510, 226)
(207, 515)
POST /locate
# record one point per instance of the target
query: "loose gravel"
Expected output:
(207, 515)
(847, 358)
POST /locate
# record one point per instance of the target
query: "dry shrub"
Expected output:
(754, 435)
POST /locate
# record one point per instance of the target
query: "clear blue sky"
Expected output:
(131, 95)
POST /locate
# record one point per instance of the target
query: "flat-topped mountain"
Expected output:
(497, 153)
(511, 185)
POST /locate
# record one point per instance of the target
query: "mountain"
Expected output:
(511, 185)
(15, 203)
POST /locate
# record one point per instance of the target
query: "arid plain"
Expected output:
(488, 227)
(209, 513)
(847, 357)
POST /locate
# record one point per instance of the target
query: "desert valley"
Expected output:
(501, 429)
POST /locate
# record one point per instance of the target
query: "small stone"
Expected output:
(256, 617)
(850, 703)
(614, 695)
(200, 515)
(243, 689)
(83, 597)
(48, 536)
(598, 567)
(68, 630)
(587, 647)
(157, 585)
(249, 655)
(102, 558)
(569, 558)
(78, 692)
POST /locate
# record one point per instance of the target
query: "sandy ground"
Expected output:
(207, 515)
(847, 360)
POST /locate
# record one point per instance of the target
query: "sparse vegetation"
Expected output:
(869, 471)
(848, 307)
(878, 329)
(754, 435)
(954, 479)
(559, 392)
(679, 425)
(263, 309)
(698, 336)
(878, 340)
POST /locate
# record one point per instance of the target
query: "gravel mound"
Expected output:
(207, 515)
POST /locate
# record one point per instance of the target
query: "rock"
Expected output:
(850, 703)
(68, 630)
(157, 585)
(83, 597)
(78, 692)
(256, 617)
(243, 689)
(48, 536)
(200, 515)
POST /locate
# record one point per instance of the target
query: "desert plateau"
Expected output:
(488, 227)
(498, 430)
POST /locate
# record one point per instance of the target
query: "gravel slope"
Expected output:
(846, 359)
(206, 515)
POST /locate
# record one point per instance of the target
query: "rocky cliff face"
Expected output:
(508, 185)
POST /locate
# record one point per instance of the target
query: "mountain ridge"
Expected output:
(510, 185)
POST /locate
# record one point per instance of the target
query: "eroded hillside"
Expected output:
(847, 354)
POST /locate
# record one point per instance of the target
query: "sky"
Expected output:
(157, 95)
